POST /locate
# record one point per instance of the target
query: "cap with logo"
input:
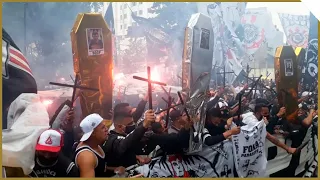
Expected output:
(88, 124)
(50, 140)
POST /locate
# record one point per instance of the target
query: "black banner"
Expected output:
(311, 63)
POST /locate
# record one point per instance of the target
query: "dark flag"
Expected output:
(311, 62)
(17, 77)
(108, 17)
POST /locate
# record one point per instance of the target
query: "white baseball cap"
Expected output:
(306, 93)
(222, 104)
(50, 140)
(88, 124)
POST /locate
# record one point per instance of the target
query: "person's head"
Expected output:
(260, 111)
(176, 118)
(123, 119)
(94, 129)
(224, 108)
(158, 127)
(95, 35)
(303, 109)
(214, 116)
(49, 146)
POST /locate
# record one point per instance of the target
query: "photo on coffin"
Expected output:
(288, 67)
(95, 41)
(204, 38)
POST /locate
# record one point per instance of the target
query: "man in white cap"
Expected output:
(89, 156)
(49, 161)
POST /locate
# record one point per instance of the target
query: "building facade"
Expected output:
(122, 14)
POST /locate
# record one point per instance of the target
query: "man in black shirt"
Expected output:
(49, 161)
(122, 140)
(216, 129)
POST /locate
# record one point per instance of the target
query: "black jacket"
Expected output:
(120, 149)
(173, 143)
(139, 110)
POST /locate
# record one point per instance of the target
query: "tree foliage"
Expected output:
(134, 55)
(47, 29)
(173, 17)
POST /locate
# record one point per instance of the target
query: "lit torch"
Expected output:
(47, 103)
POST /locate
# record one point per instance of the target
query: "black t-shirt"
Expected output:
(297, 138)
(216, 130)
(63, 167)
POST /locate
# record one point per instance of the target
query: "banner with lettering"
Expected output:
(296, 29)
(261, 37)
(249, 150)
(213, 161)
(228, 35)
(259, 159)
(310, 80)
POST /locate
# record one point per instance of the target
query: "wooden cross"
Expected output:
(150, 82)
(216, 77)
(261, 84)
(224, 75)
(254, 84)
(248, 72)
(75, 87)
(226, 171)
(169, 103)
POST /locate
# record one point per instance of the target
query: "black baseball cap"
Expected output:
(214, 112)
(174, 115)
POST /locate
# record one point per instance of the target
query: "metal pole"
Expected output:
(25, 28)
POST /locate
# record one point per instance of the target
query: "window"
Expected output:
(120, 17)
(120, 7)
(140, 12)
(125, 6)
(134, 3)
(135, 13)
(125, 16)
(120, 26)
(140, 2)
(125, 26)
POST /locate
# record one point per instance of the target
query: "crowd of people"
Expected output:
(136, 135)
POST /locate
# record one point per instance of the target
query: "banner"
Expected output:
(311, 64)
(214, 161)
(228, 35)
(296, 29)
(309, 152)
(277, 157)
(249, 150)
